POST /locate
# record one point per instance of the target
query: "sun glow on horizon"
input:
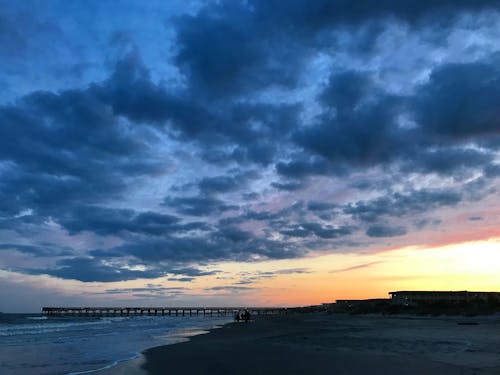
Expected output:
(465, 266)
(472, 266)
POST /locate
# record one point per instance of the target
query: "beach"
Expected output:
(333, 344)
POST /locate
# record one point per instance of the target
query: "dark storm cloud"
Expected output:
(37, 250)
(193, 272)
(261, 215)
(168, 253)
(20, 223)
(64, 148)
(224, 50)
(198, 205)
(288, 186)
(296, 231)
(219, 184)
(492, 170)
(225, 183)
(346, 90)
(303, 166)
(446, 161)
(69, 157)
(454, 108)
(325, 232)
(230, 48)
(427, 223)
(325, 13)
(362, 136)
(399, 205)
(234, 234)
(105, 221)
(460, 101)
(320, 206)
(385, 231)
(131, 93)
(91, 269)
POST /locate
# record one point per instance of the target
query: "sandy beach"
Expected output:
(333, 344)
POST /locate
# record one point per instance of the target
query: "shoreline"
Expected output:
(320, 343)
(133, 365)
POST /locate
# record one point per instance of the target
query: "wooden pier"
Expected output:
(170, 311)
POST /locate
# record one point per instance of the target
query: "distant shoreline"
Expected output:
(319, 343)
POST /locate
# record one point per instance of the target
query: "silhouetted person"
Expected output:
(246, 316)
(237, 317)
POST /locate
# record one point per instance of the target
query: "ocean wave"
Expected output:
(113, 364)
(36, 329)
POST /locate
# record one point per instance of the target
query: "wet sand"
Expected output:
(333, 344)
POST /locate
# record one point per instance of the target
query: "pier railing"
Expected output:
(171, 311)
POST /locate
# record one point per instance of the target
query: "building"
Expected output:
(344, 305)
(413, 298)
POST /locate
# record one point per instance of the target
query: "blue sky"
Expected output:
(152, 143)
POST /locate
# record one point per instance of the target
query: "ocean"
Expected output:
(36, 344)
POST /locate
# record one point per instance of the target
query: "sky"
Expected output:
(257, 152)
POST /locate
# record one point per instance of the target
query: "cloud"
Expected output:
(103, 220)
(225, 183)
(221, 50)
(218, 184)
(459, 100)
(475, 218)
(37, 250)
(398, 205)
(90, 269)
(385, 231)
(320, 206)
(230, 288)
(105, 268)
(324, 14)
(252, 278)
(356, 267)
(288, 186)
(181, 279)
(234, 234)
(230, 49)
(290, 271)
(156, 290)
(198, 205)
(258, 130)
(302, 167)
(344, 137)
(193, 272)
(447, 160)
(310, 228)
(58, 149)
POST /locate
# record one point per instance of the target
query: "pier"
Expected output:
(170, 311)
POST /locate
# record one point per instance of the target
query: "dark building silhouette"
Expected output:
(415, 298)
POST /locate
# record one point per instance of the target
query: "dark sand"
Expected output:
(333, 344)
